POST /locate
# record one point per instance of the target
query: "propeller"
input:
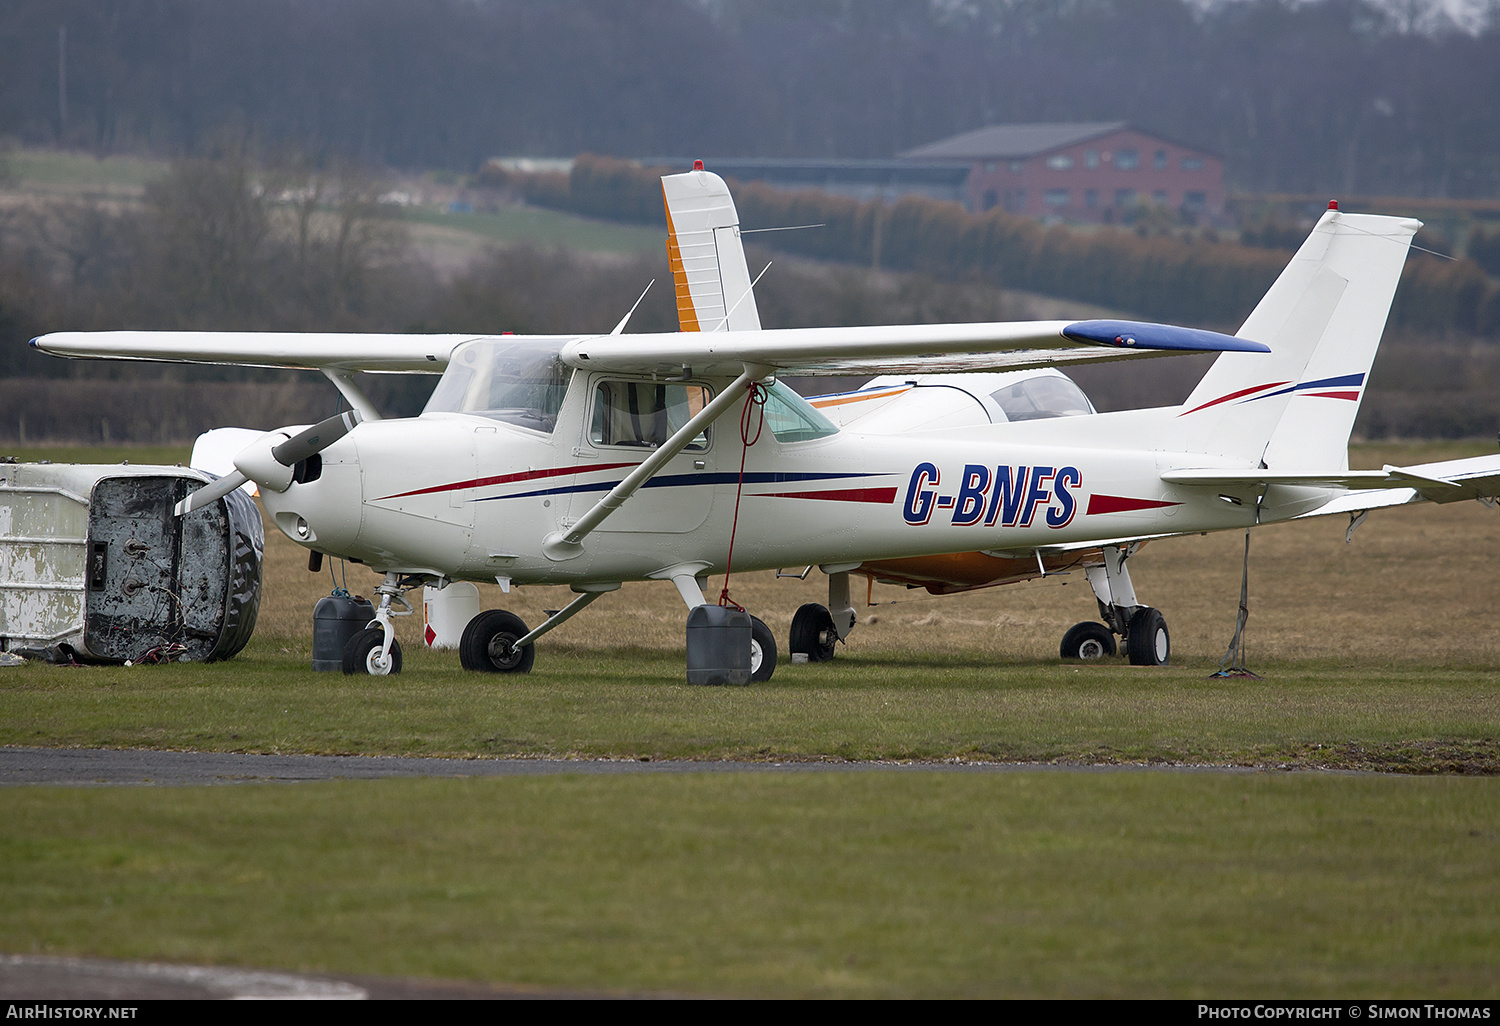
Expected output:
(270, 466)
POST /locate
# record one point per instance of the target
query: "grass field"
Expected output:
(846, 885)
(1379, 655)
(547, 228)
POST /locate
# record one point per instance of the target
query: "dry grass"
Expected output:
(1417, 587)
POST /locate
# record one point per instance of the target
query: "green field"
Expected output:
(1124, 882)
(52, 170)
(848, 885)
(534, 225)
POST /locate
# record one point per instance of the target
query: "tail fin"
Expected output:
(1323, 318)
(708, 261)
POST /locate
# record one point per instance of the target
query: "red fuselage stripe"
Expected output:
(880, 495)
(1120, 504)
(529, 475)
(1232, 395)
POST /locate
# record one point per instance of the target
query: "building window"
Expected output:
(1091, 197)
(1124, 197)
(1159, 161)
(1159, 197)
(1015, 201)
(1059, 162)
(1090, 159)
(1055, 197)
(1192, 163)
(1127, 160)
(991, 198)
(1017, 166)
(1195, 200)
(991, 166)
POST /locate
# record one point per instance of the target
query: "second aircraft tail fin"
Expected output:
(708, 262)
(1323, 319)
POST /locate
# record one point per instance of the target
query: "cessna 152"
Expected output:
(593, 460)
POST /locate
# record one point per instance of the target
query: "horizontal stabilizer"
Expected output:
(1447, 481)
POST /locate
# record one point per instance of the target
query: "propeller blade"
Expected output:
(210, 493)
(316, 438)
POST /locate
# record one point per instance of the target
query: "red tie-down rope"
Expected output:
(756, 402)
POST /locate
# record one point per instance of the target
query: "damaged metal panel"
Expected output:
(116, 576)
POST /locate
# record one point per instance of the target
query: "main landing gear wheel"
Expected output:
(362, 654)
(488, 645)
(1146, 639)
(762, 651)
(813, 632)
(1088, 641)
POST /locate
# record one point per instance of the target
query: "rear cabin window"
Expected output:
(644, 414)
(1042, 397)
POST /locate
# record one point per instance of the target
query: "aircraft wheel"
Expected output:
(1146, 639)
(762, 651)
(362, 654)
(486, 644)
(813, 632)
(1088, 641)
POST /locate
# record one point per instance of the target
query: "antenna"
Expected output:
(623, 320)
(737, 302)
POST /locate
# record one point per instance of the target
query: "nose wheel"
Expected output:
(365, 653)
(374, 650)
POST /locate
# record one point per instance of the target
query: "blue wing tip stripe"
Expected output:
(1145, 335)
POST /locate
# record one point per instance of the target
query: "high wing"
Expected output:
(1006, 345)
(408, 354)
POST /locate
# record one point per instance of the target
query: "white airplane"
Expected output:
(589, 460)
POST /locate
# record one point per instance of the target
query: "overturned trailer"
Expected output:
(94, 566)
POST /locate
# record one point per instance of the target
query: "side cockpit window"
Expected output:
(792, 418)
(644, 414)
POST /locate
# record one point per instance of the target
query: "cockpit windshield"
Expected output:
(519, 382)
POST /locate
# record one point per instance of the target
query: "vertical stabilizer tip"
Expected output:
(697, 165)
(1333, 204)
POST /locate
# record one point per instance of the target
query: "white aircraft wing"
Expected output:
(1008, 345)
(410, 354)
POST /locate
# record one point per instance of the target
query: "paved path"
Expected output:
(136, 766)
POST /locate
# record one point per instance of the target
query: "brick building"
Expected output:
(1081, 172)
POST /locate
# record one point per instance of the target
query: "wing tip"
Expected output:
(1148, 335)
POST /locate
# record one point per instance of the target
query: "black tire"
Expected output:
(813, 632)
(1146, 639)
(762, 651)
(361, 651)
(486, 644)
(1088, 641)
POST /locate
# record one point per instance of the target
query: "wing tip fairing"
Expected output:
(1147, 335)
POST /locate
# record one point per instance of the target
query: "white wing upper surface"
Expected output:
(1007, 345)
(420, 354)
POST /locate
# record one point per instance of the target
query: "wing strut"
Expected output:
(559, 546)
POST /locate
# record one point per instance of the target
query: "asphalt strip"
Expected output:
(86, 766)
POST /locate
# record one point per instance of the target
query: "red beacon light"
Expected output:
(1333, 204)
(697, 165)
